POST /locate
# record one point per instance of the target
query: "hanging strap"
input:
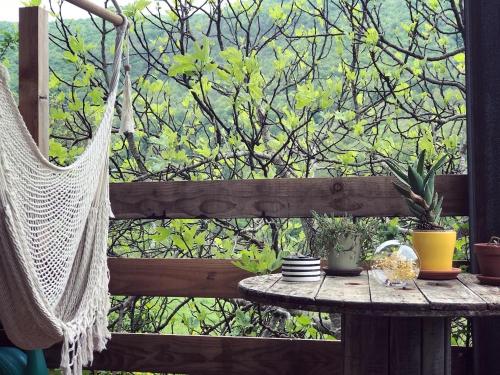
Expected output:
(127, 118)
(122, 48)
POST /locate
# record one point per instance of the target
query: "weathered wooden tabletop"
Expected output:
(365, 295)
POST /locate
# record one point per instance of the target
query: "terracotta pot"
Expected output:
(435, 249)
(488, 257)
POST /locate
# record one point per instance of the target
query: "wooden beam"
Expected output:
(214, 355)
(34, 74)
(93, 8)
(461, 360)
(212, 278)
(175, 277)
(483, 154)
(366, 345)
(358, 196)
(162, 353)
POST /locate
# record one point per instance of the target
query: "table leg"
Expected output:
(395, 346)
(436, 346)
(486, 336)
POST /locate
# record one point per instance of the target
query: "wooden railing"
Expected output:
(360, 196)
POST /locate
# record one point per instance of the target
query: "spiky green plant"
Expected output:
(417, 188)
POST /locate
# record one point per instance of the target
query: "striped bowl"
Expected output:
(301, 269)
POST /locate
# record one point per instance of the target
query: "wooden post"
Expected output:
(483, 119)
(34, 73)
(396, 345)
(366, 344)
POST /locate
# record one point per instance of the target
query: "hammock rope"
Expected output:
(53, 234)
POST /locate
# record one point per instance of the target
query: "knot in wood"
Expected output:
(337, 187)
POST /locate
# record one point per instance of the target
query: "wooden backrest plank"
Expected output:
(358, 196)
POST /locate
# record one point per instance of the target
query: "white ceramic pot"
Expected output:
(348, 257)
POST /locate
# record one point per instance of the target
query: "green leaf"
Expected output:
(433, 4)
(306, 95)
(438, 209)
(397, 171)
(57, 151)
(31, 3)
(460, 58)
(75, 44)
(421, 162)
(371, 36)
(359, 98)
(433, 204)
(435, 167)
(202, 52)
(429, 188)
(259, 261)
(232, 55)
(276, 12)
(415, 180)
(70, 56)
(183, 64)
(304, 320)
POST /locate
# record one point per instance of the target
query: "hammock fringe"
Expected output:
(53, 234)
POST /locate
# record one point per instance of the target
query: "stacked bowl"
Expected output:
(301, 268)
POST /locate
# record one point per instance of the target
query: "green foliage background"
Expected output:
(257, 89)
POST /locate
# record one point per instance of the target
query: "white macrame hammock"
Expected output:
(53, 235)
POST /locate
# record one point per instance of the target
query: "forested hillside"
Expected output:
(258, 89)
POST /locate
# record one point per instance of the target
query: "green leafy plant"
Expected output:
(259, 261)
(331, 231)
(416, 185)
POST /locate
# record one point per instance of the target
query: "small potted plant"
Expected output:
(488, 258)
(341, 240)
(433, 243)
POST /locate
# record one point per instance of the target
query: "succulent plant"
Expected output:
(417, 188)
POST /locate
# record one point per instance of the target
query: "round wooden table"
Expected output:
(385, 330)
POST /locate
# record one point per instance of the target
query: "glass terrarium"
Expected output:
(395, 264)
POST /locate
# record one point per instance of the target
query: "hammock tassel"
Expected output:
(127, 120)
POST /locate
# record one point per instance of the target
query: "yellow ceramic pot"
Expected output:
(435, 248)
